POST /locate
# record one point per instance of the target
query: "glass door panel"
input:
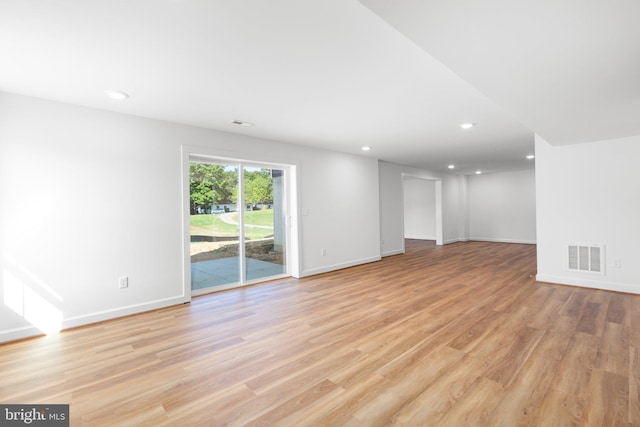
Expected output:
(214, 225)
(264, 223)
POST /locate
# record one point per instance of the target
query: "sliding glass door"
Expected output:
(237, 224)
(214, 244)
(264, 223)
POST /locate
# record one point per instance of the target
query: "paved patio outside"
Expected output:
(227, 270)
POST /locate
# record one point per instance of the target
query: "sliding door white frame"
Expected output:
(208, 155)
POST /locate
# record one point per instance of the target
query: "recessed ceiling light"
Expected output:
(117, 95)
(467, 125)
(366, 148)
(531, 156)
(478, 172)
(241, 123)
(451, 166)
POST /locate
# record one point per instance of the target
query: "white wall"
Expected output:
(391, 220)
(87, 196)
(340, 204)
(502, 207)
(419, 208)
(463, 201)
(589, 193)
(455, 200)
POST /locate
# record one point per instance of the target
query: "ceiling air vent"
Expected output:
(587, 258)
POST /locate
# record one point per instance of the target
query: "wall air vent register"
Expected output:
(585, 257)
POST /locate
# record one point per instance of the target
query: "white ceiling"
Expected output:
(333, 74)
(568, 69)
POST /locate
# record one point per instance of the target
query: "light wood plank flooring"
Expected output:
(460, 335)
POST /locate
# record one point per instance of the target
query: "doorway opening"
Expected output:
(422, 208)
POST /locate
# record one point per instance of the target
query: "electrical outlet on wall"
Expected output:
(123, 282)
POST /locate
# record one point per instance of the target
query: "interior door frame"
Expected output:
(208, 154)
(438, 206)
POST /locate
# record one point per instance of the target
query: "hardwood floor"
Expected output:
(459, 335)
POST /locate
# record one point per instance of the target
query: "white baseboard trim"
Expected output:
(446, 242)
(393, 252)
(334, 267)
(31, 331)
(495, 240)
(19, 333)
(586, 283)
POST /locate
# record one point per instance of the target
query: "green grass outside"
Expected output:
(262, 217)
(212, 225)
